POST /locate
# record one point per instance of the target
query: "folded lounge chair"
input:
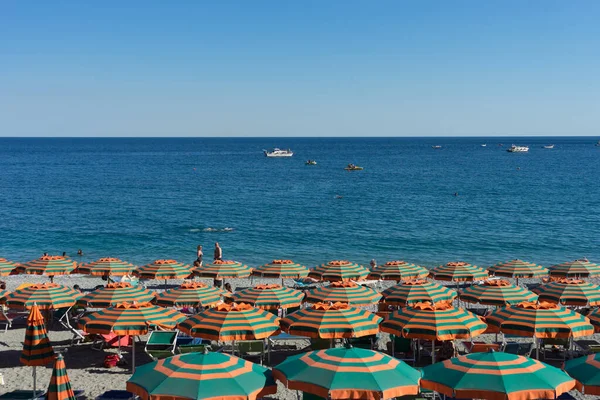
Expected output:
(251, 348)
(161, 344)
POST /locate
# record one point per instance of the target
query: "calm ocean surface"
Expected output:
(143, 199)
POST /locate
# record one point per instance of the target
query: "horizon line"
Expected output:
(294, 137)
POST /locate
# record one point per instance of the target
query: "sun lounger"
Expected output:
(23, 395)
(188, 344)
(365, 342)
(555, 349)
(5, 320)
(251, 348)
(520, 349)
(306, 283)
(161, 344)
(101, 341)
(403, 348)
(117, 395)
(480, 347)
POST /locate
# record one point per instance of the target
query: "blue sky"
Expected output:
(305, 68)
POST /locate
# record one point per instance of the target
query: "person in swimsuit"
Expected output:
(199, 255)
(218, 255)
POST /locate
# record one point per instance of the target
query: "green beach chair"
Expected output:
(251, 348)
(161, 344)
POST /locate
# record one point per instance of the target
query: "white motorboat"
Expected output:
(549, 146)
(311, 162)
(436, 147)
(278, 153)
(484, 145)
(517, 149)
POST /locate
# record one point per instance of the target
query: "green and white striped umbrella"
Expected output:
(496, 376)
(222, 269)
(496, 293)
(348, 373)
(417, 291)
(281, 269)
(48, 265)
(45, 296)
(202, 376)
(107, 266)
(116, 293)
(190, 294)
(458, 272)
(164, 269)
(269, 297)
(8, 267)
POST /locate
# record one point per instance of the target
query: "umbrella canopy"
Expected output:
(115, 293)
(3, 294)
(594, 318)
(540, 320)
(587, 372)
(517, 269)
(331, 321)
(45, 295)
(37, 349)
(417, 291)
(344, 292)
(107, 266)
(496, 293)
(130, 319)
(496, 376)
(236, 321)
(398, 271)
(8, 267)
(429, 321)
(348, 373)
(48, 265)
(576, 269)
(458, 271)
(281, 269)
(190, 294)
(220, 269)
(60, 385)
(164, 269)
(198, 376)
(269, 297)
(339, 270)
(570, 292)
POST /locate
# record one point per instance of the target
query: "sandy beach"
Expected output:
(85, 365)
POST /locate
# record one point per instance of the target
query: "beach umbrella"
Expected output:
(576, 269)
(539, 320)
(458, 272)
(496, 293)
(269, 297)
(594, 318)
(331, 321)
(115, 293)
(586, 370)
(348, 373)
(3, 294)
(440, 321)
(190, 294)
(339, 270)
(164, 269)
(344, 292)
(45, 295)
(48, 265)
(496, 376)
(230, 322)
(130, 319)
(221, 269)
(281, 269)
(570, 292)
(37, 350)
(398, 271)
(517, 269)
(200, 376)
(8, 267)
(107, 266)
(417, 291)
(60, 385)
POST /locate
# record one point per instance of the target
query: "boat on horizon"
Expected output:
(484, 145)
(549, 146)
(436, 147)
(278, 153)
(310, 162)
(517, 149)
(352, 167)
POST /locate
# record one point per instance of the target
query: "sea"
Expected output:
(141, 199)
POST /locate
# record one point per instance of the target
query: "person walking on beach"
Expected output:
(218, 252)
(199, 255)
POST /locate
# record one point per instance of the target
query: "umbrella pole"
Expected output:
(133, 353)
(34, 379)
(433, 351)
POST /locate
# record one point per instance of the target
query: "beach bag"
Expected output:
(111, 361)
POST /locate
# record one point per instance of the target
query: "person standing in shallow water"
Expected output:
(199, 255)
(218, 252)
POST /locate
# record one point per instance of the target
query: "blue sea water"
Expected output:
(143, 199)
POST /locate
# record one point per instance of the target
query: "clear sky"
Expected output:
(299, 68)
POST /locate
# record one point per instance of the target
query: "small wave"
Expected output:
(194, 230)
(226, 229)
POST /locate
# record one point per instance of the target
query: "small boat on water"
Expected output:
(484, 145)
(436, 147)
(517, 149)
(310, 162)
(549, 146)
(278, 153)
(598, 144)
(352, 167)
